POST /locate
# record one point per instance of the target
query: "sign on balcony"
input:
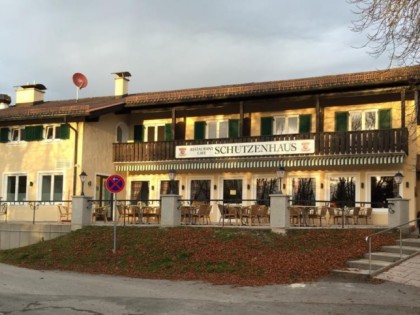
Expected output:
(245, 149)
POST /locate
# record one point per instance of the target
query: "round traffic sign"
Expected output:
(115, 183)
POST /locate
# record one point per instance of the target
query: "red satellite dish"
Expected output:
(80, 80)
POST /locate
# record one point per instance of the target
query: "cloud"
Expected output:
(168, 44)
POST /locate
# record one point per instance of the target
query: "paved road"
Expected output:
(24, 291)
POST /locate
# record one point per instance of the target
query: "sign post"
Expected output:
(114, 184)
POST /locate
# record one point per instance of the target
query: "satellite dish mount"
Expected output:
(80, 81)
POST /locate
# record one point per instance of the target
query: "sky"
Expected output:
(175, 44)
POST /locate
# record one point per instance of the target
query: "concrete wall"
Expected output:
(19, 235)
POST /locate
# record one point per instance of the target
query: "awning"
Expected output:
(262, 163)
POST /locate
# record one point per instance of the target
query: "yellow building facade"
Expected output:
(341, 139)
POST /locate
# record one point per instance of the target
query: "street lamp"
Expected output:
(172, 175)
(281, 171)
(398, 180)
(83, 177)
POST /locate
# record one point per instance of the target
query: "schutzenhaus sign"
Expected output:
(245, 149)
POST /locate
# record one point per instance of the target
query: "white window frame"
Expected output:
(286, 130)
(327, 183)
(155, 136)
(18, 131)
(368, 188)
(53, 175)
(221, 129)
(363, 118)
(16, 175)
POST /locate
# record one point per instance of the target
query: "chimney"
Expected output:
(30, 94)
(121, 83)
(5, 101)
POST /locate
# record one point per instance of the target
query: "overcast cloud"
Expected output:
(174, 44)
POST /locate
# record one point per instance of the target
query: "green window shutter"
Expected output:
(199, 130)
(384, 118)
(38, 133)
(341, 121)
(64, 132)
(168, 132)
(4, 135)
(266, 126)
(304, 123)
(138, 133)
(233, 128)
(29, 134)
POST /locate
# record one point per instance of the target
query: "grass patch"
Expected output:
(216, 255)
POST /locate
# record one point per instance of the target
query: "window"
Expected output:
(51, 187)
(232, 190)
(200, 190)
(363, 120)
(343, 191)
(382, 188)
(16, 188)
(266, 187)
(17, 134)
(217, 129)
(158, 132)
(51, 132)
(56, 132)
(286, 125)
(140, 191)
(303, 191)
(167, 187)
(283, 125)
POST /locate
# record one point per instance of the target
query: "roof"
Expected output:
(321, 84)
(67, 108)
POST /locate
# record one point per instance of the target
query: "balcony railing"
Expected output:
(326, 144)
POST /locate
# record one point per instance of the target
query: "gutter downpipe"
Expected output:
(76, 142)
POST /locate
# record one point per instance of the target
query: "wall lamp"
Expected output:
(398, 180)
(83, 177)
(281, 171)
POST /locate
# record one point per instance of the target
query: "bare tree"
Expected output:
(392, 27)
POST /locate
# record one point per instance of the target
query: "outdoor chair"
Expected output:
(320, 214)
(64, 213)
(312, 214)
(295, 215)
(353, 215)
(100, 213)
(124, 213)
(366, 213)
(334, 215)
(187, 213)
(250, 213)
(263, 214)
(227, 212)
(203, 213)
(151, 213)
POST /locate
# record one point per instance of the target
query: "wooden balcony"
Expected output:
(326, 144)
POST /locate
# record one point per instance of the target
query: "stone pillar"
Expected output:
(81, 212)
(398, 213)
(279, 213)
(170, 212)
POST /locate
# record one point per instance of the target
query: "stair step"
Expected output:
(412, 242)
(354, 273)
(364, 264)
(386, 256)
(396, 249)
